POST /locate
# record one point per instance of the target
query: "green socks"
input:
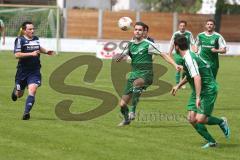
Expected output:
(135, 98)
(214, 121)
(202, 130)
(124, 110)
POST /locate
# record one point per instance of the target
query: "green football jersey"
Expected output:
(194, 65)
(141, 54)
(187, 34)
(206, 42)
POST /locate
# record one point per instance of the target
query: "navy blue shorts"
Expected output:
(24, 78)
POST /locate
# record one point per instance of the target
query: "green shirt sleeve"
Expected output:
(191, 64)
(222, 42)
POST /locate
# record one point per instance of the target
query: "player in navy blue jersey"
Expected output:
(27, 50)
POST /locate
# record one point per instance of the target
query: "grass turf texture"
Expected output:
(44, 136)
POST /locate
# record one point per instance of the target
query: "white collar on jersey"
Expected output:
(206, 34)
(27, 37)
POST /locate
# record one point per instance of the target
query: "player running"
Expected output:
(204, 92)
(27, 49)
(140, 51)
(172, 52)
(209, 44)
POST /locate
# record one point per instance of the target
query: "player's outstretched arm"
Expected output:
(45, 51)
(154, 48)
(119, 57)
(179, 85)
(169, 59)
(123, 55)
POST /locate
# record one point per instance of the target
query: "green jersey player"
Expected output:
(209, 44)
(177, 58)
(140, 51)
(204, 92)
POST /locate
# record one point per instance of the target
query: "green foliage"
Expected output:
(223, 8)
(231, 9)
(181, 6)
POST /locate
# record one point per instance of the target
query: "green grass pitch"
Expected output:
(45, 136)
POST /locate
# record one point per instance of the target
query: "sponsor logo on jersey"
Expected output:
(207, 46)
(33, 47)
(139, 51)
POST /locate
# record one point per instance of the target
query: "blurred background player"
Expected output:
(204, 92)
(2, 31)
(209, 43)
(27, 49)
(140, 51)
(172, 52)
(145, 33)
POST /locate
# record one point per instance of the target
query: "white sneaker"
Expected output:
(209, 144)
(225, 127)
(124, 123)
(131, 115)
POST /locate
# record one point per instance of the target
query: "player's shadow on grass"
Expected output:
(227, 145)
(44, 118)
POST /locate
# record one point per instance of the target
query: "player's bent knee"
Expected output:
(200, 120)
(32, 89)
(138, 82)
(122, 103)
(191, 120)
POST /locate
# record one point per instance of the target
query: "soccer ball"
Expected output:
(125, 23)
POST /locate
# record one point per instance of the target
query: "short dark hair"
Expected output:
(182, 21)
(24, 24)
(181, 42)
(211, 20)
(140, 24)
(146, 28)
